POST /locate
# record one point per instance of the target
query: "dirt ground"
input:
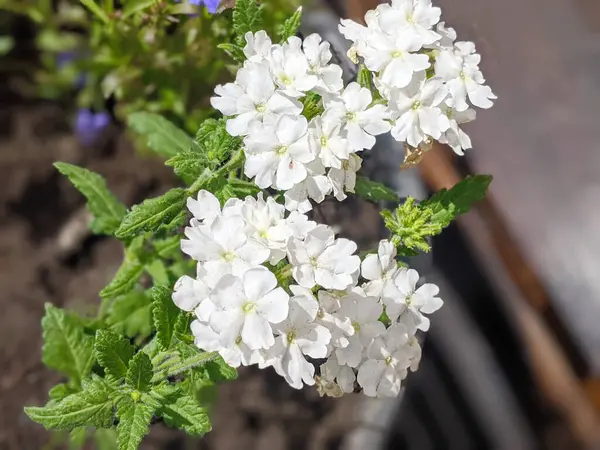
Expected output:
(46, 255)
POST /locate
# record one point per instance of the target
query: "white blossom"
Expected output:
(459, 68)
(252, 98)
(321, 259)
(382, 373)
(290, 68)
(318, 55)
(342, 375)
(299, 335)
(361, 122)
(258, 46)
(411, 18)
(419, 115)
(247, 308)
(380, 268)
(276, 155)
(326, 140)
(454, 136)
(344, 179)
(404, 299)
(188, 293)
(364, 313)
(315, 186)
(223, 246)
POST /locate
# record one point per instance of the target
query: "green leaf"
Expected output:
(158, 272)
(364, 77)
(152, 213)
(233, 50)
(165, 314)
(374, 191)
(247, 16)
(6, 44)
(290, 26)
(96, 10)
(447, 204)
(168, 247)
(188, 165)
(186, 413)
(134, 420)
(61, 391)
(125, 279)
(139, 373)
(218, 370)
(206, 129)
(131, 315)
(66, 347)
(134, 6)
(107, 210)
(163, 137)
(90, 407)
(113, 352)
(242, 189)
(313, 106)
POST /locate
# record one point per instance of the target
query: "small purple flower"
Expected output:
(89, 125)
(211, 5)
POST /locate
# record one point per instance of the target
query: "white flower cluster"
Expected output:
(424, 75)
(285, 151)
(249, 317)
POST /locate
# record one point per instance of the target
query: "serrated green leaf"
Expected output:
(188, 165)
(290, 26)
(447, 204)
(152, 213)
(158, 272)
(66, 347)
(242, 189)
(113, 352)
(134, 420)
(247, 16)
(218, 370)
(233, 50)
(61, 391)
(374, 191)
(168, 247)
(186, 413)
(165, 314)
(107, 210)
(125, 279)
(163, 136)
(131, 315)
(206, 129)
(139, 373)
(90, 407)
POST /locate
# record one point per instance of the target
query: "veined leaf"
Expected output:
(165, 315)
(139, 373)
(90, 407)
(66, 347)
(134, 418)
(186, 413)
(107, 210)
(113, 352)
(152, 213)
(374, 191)
(131, 315)
(163, 136)
(290, 26)
(125, 279)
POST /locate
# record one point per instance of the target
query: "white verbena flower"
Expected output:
(342, 375)
(360, 122)
(410, 18)
(454, 136)
(321, 259)
(380, 268)
(276, 155)
(459, 68)
(315, 186)
(344, 179)
(418, 115)
(258, 46)
(318, 55)
(404, 299)
(290, 68)
(299, 335)
(247, 308)
(188, 293)
(223, 246)
(382, 373)
(326, 140)
(252, 98)
(364, 313)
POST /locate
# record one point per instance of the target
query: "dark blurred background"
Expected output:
(512, 360)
